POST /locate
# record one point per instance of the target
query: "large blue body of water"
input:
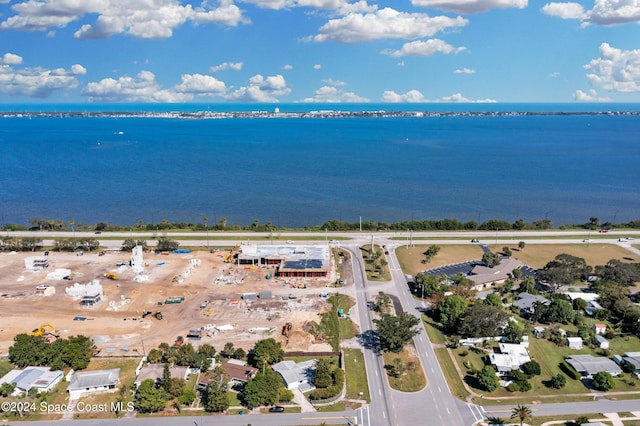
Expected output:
(297, 172)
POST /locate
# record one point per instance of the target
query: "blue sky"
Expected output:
(319, 51)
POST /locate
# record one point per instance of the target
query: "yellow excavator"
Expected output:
(42, 330)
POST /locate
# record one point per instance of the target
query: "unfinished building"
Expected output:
(291, 261)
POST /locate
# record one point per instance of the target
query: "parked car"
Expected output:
(276, 409)
(475, 241)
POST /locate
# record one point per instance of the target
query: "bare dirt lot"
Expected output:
(116, 324)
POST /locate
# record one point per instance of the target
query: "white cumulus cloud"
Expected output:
(591, 96)
(141, 88)
(470, 6)
(424, 48)
(11, 59)
(261, 89)
(198, 84)
(35, 82)
(457, 97)
(155, 19)
(464, 71)
(415, 96)
(604, 12)
(287, 67)
(386, 23)
(236, 66)
(341, 6)
(332, 82)
(412, 96)
(329, 94)
(568, 10)
(615, 70)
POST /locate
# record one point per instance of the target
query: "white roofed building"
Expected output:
(93, 381)
(511, 357)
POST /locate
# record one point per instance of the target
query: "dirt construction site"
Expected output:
(197, 294)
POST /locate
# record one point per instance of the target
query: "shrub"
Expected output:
(531, 369)
(558, 381)
(569, 371)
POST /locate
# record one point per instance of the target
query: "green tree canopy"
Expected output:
(450, 309)
(267, 352)
(395, 331)
(565, 269)
(149, 398)
(482, 321)
(603, 381)
(262, 389)
(487, 379)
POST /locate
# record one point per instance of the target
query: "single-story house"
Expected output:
(632, 358)
(511, 357)
(600, 328)
(40, 378)
(587, 297)
(297, 375)
(588, 365)
(526, 303)
(574, 342)
(93, 381)
(602, 342)
(238, 371)
(156, 371)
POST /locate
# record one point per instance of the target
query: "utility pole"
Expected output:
(360, 223)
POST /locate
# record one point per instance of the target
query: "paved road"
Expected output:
(436, 399)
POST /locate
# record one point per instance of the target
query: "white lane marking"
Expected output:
(439, 390)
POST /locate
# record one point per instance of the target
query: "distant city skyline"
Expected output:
(319, 51)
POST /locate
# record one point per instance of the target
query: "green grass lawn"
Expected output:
(381, 273)
(413, 378)
(335, 328)
(534, 255)
(356, 375)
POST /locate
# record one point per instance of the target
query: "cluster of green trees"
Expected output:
(184, 355)
(331, 225)
(395, 331)
(153, 396)
(74, 352)
(328, 380)
(9, 243)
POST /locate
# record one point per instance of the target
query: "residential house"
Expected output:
(297, 375)
(511, 357)
(632, 358)
(602, 342)
(588, 365)
(40, 378)
(93, 381)
(600, 328)
(238, 371)
(526, 303)
(574, 342)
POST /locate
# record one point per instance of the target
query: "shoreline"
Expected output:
(309, 114)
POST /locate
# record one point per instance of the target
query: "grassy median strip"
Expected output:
(407, 374)
(356, 375)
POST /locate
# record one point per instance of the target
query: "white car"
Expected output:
(334, 242)
(289, 241)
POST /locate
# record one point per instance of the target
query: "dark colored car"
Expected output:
(276, 409)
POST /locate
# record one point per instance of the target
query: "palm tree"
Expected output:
(494, 421)
(522, 413)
